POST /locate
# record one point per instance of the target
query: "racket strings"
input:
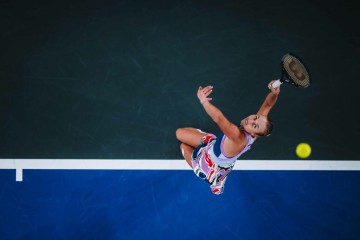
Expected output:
(296, 71)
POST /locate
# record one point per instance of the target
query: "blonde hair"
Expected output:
(268, 129)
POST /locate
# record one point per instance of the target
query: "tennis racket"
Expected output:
(293, 71)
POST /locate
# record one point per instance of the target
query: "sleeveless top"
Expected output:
(218, 155)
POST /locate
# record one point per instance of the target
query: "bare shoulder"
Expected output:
(237, 136)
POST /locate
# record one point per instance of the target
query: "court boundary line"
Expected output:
(171, 164)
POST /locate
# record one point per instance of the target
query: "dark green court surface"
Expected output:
(115, 79)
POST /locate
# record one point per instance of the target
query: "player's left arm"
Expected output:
(228, 128)
(270, 100)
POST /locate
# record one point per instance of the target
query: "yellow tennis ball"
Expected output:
(303, 150)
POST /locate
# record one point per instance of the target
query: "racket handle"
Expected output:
(276, 83)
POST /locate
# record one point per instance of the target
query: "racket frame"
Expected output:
(286, 78)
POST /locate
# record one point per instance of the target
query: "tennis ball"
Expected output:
(303, 150)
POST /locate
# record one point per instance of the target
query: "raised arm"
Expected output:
(270, 100)
(228, 128)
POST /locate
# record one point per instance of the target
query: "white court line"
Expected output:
(168, 164)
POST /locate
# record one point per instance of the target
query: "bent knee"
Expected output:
(179, 132)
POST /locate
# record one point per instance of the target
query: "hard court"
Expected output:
(92, 93)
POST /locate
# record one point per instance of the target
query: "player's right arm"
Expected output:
(270, 100)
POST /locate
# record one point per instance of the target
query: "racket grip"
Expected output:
(276, 83)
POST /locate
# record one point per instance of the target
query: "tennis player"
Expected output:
(213, 157)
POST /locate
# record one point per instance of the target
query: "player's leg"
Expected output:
(190, 136)
(186, 151)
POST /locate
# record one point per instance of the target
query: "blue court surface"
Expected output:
(175, 204)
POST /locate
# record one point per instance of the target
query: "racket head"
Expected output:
(294, 71)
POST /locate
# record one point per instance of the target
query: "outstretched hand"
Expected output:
(203, 94)
(274, 90)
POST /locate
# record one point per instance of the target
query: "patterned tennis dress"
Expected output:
(211, 164)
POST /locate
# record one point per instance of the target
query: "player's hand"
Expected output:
(274, 90)
(203, 94)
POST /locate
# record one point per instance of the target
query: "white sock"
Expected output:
(200, 131)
